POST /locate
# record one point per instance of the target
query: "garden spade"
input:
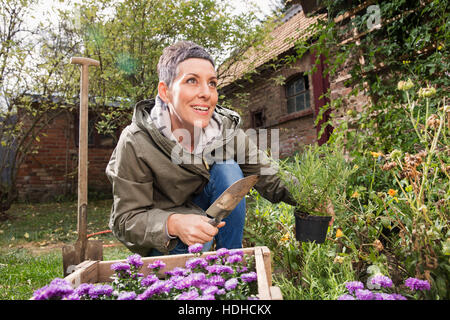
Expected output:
(229, 199)
(83, 249)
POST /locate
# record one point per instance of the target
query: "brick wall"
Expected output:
(52, 170)
(295, 129)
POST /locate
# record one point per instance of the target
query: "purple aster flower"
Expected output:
(83, 289)
(210, 290)
(120, 266)
(346, 297)
(222, 252)
(156, 288)
(363, 294)
(182, 283)
(234, 259)
(382, 281)
(211, 258)
(57, 289)
(149, 280)
(218, 269)
(127, 295)
(135, 260)
(249, 277)
(216, 280)
(157, 264)
(231, 284)
(383, 296)
(220, 292)
(241, 269)
(206, 297)
(417, 284)
(177, 271)
(239, 252)
(188, 295)
(72, 296)
(195, 248)
(196, 262)
(99, 291)
(197, 278)
(354, 285)
(398, 296)
(168, 285)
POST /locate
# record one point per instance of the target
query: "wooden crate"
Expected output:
(100, 271)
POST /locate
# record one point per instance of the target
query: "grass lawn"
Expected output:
(31, 241)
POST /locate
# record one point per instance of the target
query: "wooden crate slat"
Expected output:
(85, 272)
(263, 286)
(267, 264)
(275, 293)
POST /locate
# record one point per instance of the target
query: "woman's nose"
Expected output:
(204, 90)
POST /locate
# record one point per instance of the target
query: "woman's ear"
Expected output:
(163, 91)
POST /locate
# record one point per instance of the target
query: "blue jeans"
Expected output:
(222, 175)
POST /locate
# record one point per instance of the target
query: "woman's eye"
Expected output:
(191, 80)
(213, 84)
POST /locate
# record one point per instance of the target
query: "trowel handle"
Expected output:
(214, 222)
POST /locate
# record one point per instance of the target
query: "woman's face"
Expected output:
(192, 96)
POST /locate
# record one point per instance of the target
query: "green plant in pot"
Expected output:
(316, 179)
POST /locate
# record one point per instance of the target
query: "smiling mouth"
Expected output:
(200, 108)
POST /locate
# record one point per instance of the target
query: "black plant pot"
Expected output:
(309, 228)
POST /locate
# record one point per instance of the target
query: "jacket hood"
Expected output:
(141, 117)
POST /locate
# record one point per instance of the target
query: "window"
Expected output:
(257, 119)
(297, 94)
(95, 139)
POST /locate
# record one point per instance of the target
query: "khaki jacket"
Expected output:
(152, 177)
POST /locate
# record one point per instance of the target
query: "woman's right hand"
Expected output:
(192, 228)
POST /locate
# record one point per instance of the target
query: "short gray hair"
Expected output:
(173, 55)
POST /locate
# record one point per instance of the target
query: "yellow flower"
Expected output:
(426, 92)
(405, 85)
(376, 154)
(339, 233)
(439, 48)
(338, 259)
(285, 237)
(392, 192)
(355, 194)
(406, 61)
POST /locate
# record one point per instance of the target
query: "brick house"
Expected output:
(290, 106)
(293, 104)
(52, 171)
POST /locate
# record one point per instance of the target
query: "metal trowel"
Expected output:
(229, 199)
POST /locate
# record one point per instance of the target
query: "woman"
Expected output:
(177, 156)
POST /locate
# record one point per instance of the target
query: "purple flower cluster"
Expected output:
(158, 264)
(352, 286)
(58, 289)
(417, 284)
(381, 281)
(135, 260)
(357, 292)
(195, 248)
(223, 275)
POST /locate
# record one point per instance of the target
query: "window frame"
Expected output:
(305, 92)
